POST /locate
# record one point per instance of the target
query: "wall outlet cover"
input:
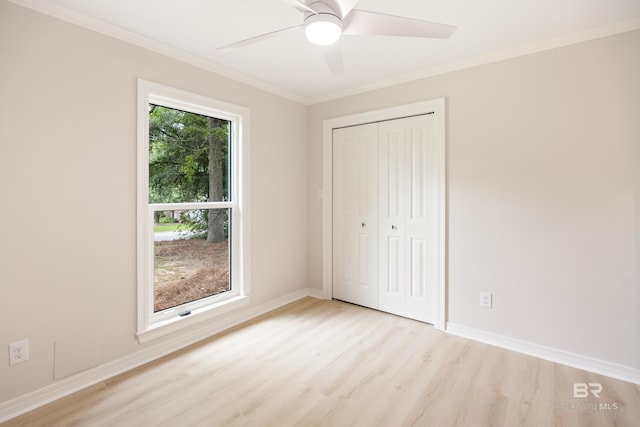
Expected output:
(485, 299)
(18, 352)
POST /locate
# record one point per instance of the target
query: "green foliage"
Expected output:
(197, 222)
(167, 227)
(179, 154)
(188, 158)
(190, 168)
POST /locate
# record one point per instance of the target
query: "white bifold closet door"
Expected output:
(407, 209)
(384, 177)
(355, 215)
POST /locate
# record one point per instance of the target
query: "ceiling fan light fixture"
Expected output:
(323, 28)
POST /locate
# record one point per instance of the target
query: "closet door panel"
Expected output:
(392, 250)
(420, 204)
(392, 266)
(355, 211)
(385, 206)
(417, 267)
(417, 190)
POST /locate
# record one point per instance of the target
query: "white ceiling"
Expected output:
(291, 66)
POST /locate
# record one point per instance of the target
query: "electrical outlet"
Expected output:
(485, 299)
(18, 352)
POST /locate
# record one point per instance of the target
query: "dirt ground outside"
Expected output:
(188, 270)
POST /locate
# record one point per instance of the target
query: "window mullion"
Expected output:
(190, 206)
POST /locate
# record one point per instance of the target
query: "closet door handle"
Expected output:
(393, 227)
(364, 225)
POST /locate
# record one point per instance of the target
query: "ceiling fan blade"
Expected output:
(345, 6)
(362, 22)
(333, 57)
(300, 5)
(256, 39)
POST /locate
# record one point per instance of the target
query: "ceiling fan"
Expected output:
(326, 20)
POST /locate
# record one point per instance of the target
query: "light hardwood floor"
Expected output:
(328, 363)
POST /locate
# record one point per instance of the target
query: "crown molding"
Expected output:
(501, 55)
(131, 37)
(94, 24)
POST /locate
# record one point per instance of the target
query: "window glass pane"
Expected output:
(191, 256)
(188, 157)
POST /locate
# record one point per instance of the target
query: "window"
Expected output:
(192, 210)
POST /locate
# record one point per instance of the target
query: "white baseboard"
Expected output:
(81, 380)
(621, 372)
(316, 293)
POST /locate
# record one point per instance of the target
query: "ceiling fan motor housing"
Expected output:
(324, 27)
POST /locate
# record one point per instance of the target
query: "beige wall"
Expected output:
(543, 190)
(68, 189)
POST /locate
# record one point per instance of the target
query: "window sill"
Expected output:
(177, 323)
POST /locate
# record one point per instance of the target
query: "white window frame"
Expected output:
(152, 325)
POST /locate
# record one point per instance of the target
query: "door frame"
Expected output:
(436, 106)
